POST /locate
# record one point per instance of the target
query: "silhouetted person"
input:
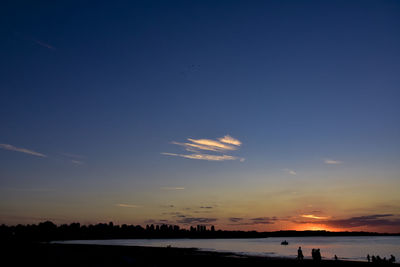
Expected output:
(300, 255)
(373, 259)
(336, 258)
(313, 254)
(368, 258)
(392, 259)
(317, 255)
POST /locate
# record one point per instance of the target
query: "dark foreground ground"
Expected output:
(96, 255)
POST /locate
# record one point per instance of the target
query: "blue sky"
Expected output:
(102, 90)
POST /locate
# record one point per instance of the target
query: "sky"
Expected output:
(246, 115)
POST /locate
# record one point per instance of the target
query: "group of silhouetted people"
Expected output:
(316, 256)
(315, 253)
(378, 259)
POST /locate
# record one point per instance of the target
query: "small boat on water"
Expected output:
(284, 243)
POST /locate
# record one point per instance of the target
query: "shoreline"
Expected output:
(233, 253)
(50, 254)
(241, 249)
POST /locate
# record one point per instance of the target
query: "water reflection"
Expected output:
(350, 248)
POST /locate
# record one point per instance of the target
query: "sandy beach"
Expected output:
(36, 254)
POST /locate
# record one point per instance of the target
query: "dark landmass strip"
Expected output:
(48, 231)
(45, 254)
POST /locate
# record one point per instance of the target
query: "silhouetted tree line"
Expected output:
(48, 231)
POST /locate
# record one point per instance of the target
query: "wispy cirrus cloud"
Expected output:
(291, 172)
(203, 156)
(122, 205)
(172, 188)
(374, 220)
(212, 145)
(22, 150)
(167, 206)
(77, 162)
(253, 221)
(191, 220)
(36, 41)
(264, 220)
(369, 220)
(177, 214)
(332, 161)
(43, 44)
(74, 158)
(200, 149)
(230, 140)
(235, 219)
(312, 216)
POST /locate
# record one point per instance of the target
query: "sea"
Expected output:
(346, 248)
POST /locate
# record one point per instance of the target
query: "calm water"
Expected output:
(349, 248)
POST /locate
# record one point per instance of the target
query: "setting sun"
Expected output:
(316, 227)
